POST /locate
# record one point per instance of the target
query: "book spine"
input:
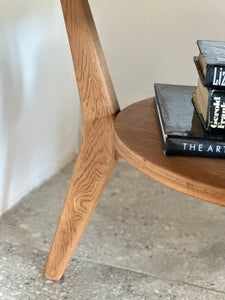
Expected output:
(215, 77)
(216, 111)
(194, 147)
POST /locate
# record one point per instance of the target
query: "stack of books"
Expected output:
(209, 98)
(192, 119)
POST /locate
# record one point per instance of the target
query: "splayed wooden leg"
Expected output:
(94, 165)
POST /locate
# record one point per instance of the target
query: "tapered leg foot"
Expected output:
(92, 170)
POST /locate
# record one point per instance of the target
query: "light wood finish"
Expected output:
(96, 91)
(135, 138)
(138, 140)
(92, 170)
(97, 156)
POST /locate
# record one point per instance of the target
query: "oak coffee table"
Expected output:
(110, 134)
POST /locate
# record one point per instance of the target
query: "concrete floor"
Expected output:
(144, 241)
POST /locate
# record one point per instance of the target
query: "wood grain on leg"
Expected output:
(96, 91)
(92, 170)
(97, 156)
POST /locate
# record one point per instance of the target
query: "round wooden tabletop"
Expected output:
(137, 139)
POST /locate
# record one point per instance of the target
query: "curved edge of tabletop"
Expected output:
(167, 175)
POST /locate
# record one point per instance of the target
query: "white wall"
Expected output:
(144, 41)
(147, 41)
(39, 106)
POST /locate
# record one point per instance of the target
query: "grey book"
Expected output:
(211, 63)
(181, 129)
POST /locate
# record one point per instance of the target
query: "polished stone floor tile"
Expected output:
(21, 279)
(144, 241)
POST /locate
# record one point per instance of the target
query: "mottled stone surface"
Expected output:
(144, 241)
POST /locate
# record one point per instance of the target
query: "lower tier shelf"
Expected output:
(137, 139)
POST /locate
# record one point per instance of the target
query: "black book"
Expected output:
(181, 128)
(210, 105)
(211, 63)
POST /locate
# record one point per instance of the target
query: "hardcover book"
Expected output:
(212, 63)
(181, 129)
(210, 105)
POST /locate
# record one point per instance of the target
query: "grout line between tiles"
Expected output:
(147, 274)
